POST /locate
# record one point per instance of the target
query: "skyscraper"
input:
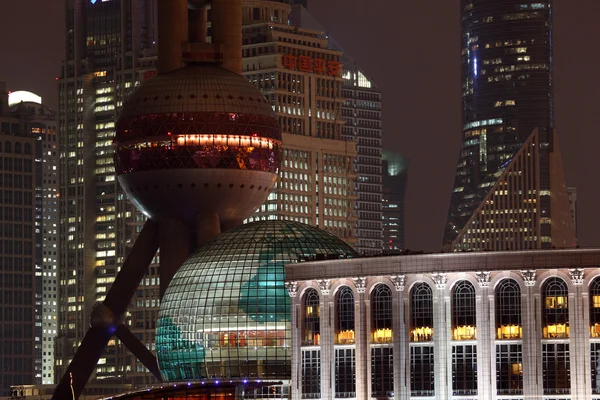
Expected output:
(302, 78)
(508, 132)
(362, 113)
(395, 176)
(107, 50)
(40, 123)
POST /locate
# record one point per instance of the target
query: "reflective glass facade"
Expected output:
(507, 92)
(226, 313)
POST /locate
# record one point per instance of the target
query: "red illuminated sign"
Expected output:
(310, 64)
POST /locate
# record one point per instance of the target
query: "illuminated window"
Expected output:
(595, 308)
(312, 319)
(381, 329)
(344, 333)
(555, 311)
(508, 310)
(421, 313)
(463, 311)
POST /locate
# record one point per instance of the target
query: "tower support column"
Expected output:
(174, 239)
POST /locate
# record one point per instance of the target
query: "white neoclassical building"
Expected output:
(491, 325)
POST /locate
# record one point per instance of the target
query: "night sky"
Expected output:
(412, 50)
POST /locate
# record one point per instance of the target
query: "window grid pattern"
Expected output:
(508, 310)
(226, 312)
(382, 314)
(595, 308)
(345, 373)
(463, 311)
(421, 313)
(464, 370)
(382, 371)
(311, 374)
(312, 319)
(555, 309)
(422, 378)
(556, 368)
(345, 316)
(509, 369)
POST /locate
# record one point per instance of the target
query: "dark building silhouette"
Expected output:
(395, 176)
(507, 105)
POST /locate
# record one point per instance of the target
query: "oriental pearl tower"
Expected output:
(197, 150)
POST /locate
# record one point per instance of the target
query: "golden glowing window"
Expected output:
(595, 308)
(311, 335)
(382, 314)
(508, 310)
(344, 331)
(555, 311)
(421, 313)
(463, 311)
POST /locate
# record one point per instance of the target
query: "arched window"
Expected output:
(463, 311)
(312, 319)
(381, 327)
(7, 147)
(344, 328)
(421, 309)
(595, 308)
(17, 148)
(508, 310)
(27, 148)
(555, 309)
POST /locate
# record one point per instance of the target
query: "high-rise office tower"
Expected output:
(395, 176)
(362, 113)
(302, 78)
(28, 240)
(108, 45)
(40, 123)
(509, 190)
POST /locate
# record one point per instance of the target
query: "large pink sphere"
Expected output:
(195, 141)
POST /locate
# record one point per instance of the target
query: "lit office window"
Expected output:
(595, 308)
(509, 369)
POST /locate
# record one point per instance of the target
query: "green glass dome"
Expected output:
(226, 313)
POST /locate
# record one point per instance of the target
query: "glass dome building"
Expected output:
(226, 313)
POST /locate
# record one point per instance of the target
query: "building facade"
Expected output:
(362, 113)
(509, 325)
(507, 98)
(41, 124)
(302, 78)
(20, 287)
(110, 48)
(395, 176)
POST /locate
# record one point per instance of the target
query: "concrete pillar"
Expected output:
(227, 32)
(492, 339)
(401, 347)
(296, 387)
(207, 227)
(173, 32)
(174, 240)
(327, 350)
(441, 333)
(198, 25)
(362, 346)
(584, 347)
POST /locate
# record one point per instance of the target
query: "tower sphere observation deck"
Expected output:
(199, 139)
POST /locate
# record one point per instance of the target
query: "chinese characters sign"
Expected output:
(310, 64)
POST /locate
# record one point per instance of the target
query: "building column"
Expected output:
(579, 348)
(484, 359)
(296, 356)
(327, 351)
(361, 339)
(401, 310)
(530, 320)
(441, 334)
